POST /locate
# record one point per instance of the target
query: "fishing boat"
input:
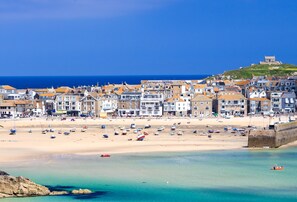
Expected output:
(277, 167)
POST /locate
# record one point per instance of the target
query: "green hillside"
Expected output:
(262, 70)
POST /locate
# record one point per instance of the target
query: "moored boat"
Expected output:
(140, 137)
(278, 168)
(105, 155)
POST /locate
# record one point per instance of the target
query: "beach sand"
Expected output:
(25, 145)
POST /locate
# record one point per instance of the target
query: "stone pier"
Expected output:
(273, 138)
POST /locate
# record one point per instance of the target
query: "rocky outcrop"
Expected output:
(20, 187)
(11, 186)
(81, 191)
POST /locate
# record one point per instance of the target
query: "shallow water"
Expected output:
(196, 176)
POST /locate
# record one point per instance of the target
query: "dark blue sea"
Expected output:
(22, 82)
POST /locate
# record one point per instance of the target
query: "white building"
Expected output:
(151, 105)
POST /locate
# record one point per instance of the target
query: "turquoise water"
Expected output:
(201, 176)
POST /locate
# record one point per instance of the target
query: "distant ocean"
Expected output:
(22, 82)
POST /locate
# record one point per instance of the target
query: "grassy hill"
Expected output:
(262, 70)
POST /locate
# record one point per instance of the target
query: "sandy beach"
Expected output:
(33, 145)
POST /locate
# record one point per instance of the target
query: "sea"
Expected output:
(24, 82)
(227, 176)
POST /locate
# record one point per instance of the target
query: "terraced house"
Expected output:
(230, 103)
(151, 104)
(68, 103)
(201, 106)
(129, 104)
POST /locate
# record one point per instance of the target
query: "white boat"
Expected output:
(173, 127)
(161, 129)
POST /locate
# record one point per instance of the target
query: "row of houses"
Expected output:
(196, 98)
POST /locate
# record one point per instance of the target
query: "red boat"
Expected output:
(277, 168)
(105, 155)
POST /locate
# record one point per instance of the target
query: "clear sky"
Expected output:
(129, 37)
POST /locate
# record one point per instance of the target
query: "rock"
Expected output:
(56, 193)
(11, 186)
(81, 191)
(3, 173)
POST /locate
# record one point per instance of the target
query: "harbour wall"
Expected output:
(273, 138)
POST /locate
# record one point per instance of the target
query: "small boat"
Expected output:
(116, 133)
(179, 123)
(132, 126)
(156, 133)
(147, 126)
(140, 137)
(179, 133)
(172, 133)
(51, 130)
(44, 132)
(161, 129)
(145, 133)
(210, 131)
(105, 155)
(103, 127)
(72, 119)
(105, 136)
(135, 131)
(53, 136)
(195, 131)
(209, 136)
(83, 130)
(277, 168)
(30, 131)
(72, 130)
(173, 127)
(124, 132)
(12, 131)
(217, 131)
(66, 133)
(59, 132)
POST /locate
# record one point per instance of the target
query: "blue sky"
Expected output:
(134, 37)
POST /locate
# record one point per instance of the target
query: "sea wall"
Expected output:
(281, 134)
